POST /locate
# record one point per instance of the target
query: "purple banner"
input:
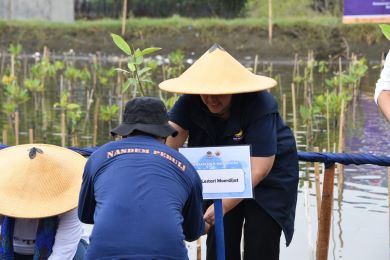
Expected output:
(366, 7)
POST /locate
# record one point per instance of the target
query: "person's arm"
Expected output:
(67, 237)
(384, 103)
(382, 88)
(177, 141)
(260, 167)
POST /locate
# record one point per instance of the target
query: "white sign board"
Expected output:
(225, 171)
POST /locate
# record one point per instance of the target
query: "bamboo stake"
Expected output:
(63, 129)
(340, 167)
(294, 109)
(95, 122)
(12, 65)
(16, 127)
(124, 17)
(340, 73)
(284, 103)
(31, 135)
(255, 64)
(2, 63)
(318, 184)
(270, 22)
(326, 215)
(327, 120)
(5, 139)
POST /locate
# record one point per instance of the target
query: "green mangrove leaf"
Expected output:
(150, 50)
(385, 30)
(121, 43)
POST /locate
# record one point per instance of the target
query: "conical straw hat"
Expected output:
(39, 180)
(216, 73)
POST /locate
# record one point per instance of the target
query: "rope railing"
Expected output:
(329, 159)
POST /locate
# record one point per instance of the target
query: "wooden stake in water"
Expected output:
(5, 139)
(340, 167)
(95, 122)
(294, 109)
(284, 103)
(318, 184)
(270, 22)
(255, 64)
(16, 127)
(326, 214)
(124, 17)
(31, 135)
(63, 129)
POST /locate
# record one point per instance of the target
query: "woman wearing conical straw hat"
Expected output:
(224, 104)
(39, 188)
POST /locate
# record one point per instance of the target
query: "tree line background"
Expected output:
(96, 9)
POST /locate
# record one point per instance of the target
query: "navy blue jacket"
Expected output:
(253, 120)
(144, 200)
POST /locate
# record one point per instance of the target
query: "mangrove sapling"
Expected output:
(108, 113)
(16, 97)
(323, 69)
(44, 71)
(135, 60)
(72, 112)
(172, 70)
(14, 50)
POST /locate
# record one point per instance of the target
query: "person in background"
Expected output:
(225, 105)
(39, 187)
(382, 89)
(143, 197)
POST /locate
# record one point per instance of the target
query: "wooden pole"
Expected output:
(270, 22)
(31, 135)
(284, 104)
(124, 17)
(63, 129)
(340, 167)
(294, 109)
(255, 64)
(95, 122)
(326, 214)
(318, 184)
(327, 121)
(16, 128)
(12, 65)
(5, 139)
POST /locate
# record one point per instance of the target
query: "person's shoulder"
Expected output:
(102, 150)
(261, 101)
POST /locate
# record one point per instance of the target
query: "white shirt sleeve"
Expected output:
(383, 82)
(67, 237)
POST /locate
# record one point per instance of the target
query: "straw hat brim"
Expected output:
(47, 185)
(216, 73)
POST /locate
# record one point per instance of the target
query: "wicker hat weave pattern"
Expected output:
(216, 73)
(39, 180)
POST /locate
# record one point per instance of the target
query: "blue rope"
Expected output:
(327, 158)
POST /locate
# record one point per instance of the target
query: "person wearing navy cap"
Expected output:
(143, 197)
(224, 104)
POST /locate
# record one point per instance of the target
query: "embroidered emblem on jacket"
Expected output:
(238, 136)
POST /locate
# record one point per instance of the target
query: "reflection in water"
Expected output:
(360, 227)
